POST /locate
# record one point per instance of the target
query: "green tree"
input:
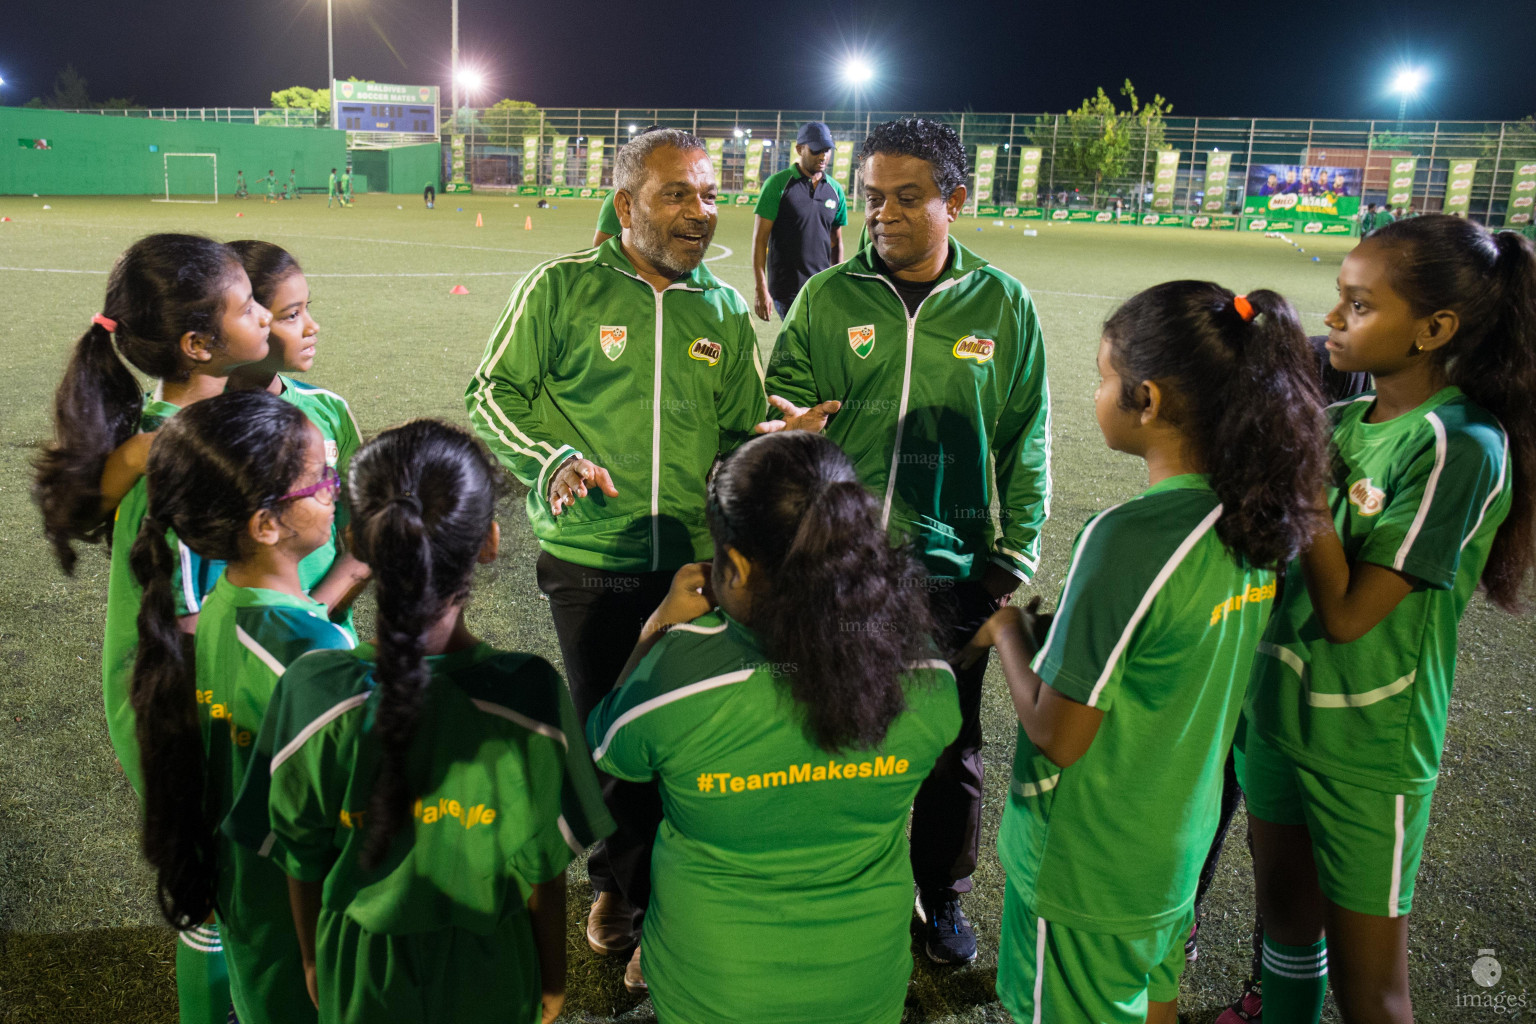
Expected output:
(70, 93)
(1099, 142)
(507, 122)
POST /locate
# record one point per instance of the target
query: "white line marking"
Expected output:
(727, 254)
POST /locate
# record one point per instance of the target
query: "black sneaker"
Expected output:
(948, 937)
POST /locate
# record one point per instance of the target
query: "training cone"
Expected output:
(239, 215)
(527, 223)
(479, 221)
(458, 289)
(5, 220)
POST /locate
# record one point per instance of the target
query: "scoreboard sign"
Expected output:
(376, 107)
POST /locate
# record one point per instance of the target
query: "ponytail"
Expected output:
(163, 287)
(178, 834)
(840, 612)
(423, 497)
(1242, 385)
(1489, 281)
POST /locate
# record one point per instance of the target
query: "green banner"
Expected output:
(1522, 195)
(1458, 185)
(842, 163)
(379, 92)
(1164, 220)
(456, 146)
(557, 155)
(594, 162)
(752, 174)
(986, 170)
(592, 192)
(1217, 168)
(1400, 187)
(1164, 177)
(530, 160)
(716, 150)
(1289, 208)
(1029, 177)
(1214, 222)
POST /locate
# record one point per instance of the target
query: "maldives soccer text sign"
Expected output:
(376, 107)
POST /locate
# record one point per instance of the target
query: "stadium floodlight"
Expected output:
(856, 71)
(633, 129)
(1407, 83)
(739, 133)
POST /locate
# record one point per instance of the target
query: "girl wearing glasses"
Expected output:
(242, 478)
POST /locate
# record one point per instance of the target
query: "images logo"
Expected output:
(862, 340)
(612, 340)
(972, 347)
(705, 351)
(1486, 971)
(1369, 500)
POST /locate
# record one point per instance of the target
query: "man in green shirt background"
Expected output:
(937, 363)
(614, 379)
(797, 231)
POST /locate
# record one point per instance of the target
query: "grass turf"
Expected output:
(79, 934)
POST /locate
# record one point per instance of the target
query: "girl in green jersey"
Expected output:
(1431, 497)
(242, 478)
(1148, 653)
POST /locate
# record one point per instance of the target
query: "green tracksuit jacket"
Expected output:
(589, 360)
(929, 401)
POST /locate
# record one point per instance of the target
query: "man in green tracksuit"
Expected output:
(613, 380)
(937, 364)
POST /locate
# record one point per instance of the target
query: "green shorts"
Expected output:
(1049, 972)
(1366, 843)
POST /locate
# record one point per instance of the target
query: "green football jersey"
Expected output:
(781, 881)
(1423, 494)
(246, 639)
(937, 406)
(508, 796)
(561, 379)
(1156, 627)
(608, 216)
(191, 580)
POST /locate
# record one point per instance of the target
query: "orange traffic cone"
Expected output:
(479, 221)
(527, 223)
(458, 289)
(5, 220)
(239, 215)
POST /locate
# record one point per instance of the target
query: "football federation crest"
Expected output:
(1367, 499)
(972, 347)
(705, 351)
(862, 340)
(612, 340)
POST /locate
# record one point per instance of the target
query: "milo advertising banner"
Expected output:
(1400, 186)
(1214, 221)
(1522, 196)
(1029, 177)
(842, 163)
(557, 159)
(530, 160)
(459, 180)
(1458, 185)
(1217, 167)
(986, 169)
(716, 150)
(1288, 194)
(1164, 177)
(752, 175)
(594, 162)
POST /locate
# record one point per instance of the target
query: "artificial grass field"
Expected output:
(80, 938)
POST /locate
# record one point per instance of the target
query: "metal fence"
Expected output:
(289, 117)
(495, 149)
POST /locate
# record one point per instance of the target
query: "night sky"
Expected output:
(1267, 59)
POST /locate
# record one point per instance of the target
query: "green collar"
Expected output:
(260, 597)
(1182, 482)
(1411, 418)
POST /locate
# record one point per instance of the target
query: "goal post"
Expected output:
(191, 178)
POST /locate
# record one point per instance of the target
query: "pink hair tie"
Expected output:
(1243, 306)
(110, 325)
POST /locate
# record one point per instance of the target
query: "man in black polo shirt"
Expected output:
(798, 230)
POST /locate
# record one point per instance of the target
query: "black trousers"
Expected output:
(946, 815)
(598, 615)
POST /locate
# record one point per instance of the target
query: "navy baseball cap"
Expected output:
(816, 135)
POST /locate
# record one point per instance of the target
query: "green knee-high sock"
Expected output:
(1295, 980)
(202, 979)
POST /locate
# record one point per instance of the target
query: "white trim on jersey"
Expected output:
(265, 656)
(1140, 613)
(1039, 966)
(315, 389)
(188, 591)
(1396, 888)
(1360, 700)
(644, 707)
(292, 747)
(532, 725)
(1429, 493)
(1291, 659)
(1497, 490)
(570, 836)
(1027, 790)
(688, 627)
(201, 940)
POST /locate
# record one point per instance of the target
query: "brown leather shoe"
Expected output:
(634, 981)
(610, 926)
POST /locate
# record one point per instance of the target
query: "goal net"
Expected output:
(191, 178)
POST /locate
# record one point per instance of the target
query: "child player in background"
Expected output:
(1128, 707)
(241, 478)
(1431, 496)
(427, 791)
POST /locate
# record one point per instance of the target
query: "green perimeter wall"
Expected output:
(404, 170)
(93, 154)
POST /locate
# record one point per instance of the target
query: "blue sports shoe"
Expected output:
(947, 935)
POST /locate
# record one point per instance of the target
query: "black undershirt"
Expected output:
(912, 292)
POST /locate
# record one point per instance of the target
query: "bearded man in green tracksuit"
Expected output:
(927, 366)
(613, 380)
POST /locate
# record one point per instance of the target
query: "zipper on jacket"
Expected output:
(656, 442)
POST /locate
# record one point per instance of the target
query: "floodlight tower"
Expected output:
(453, 61)
(857, 73)
(1407, 85)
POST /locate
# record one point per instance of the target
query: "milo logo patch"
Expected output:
(972, 347)
(705, 351)
(1368, 500)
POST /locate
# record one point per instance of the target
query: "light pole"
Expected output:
(330, 47)
(1407, 85)
(453, 70)
(856, 72)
